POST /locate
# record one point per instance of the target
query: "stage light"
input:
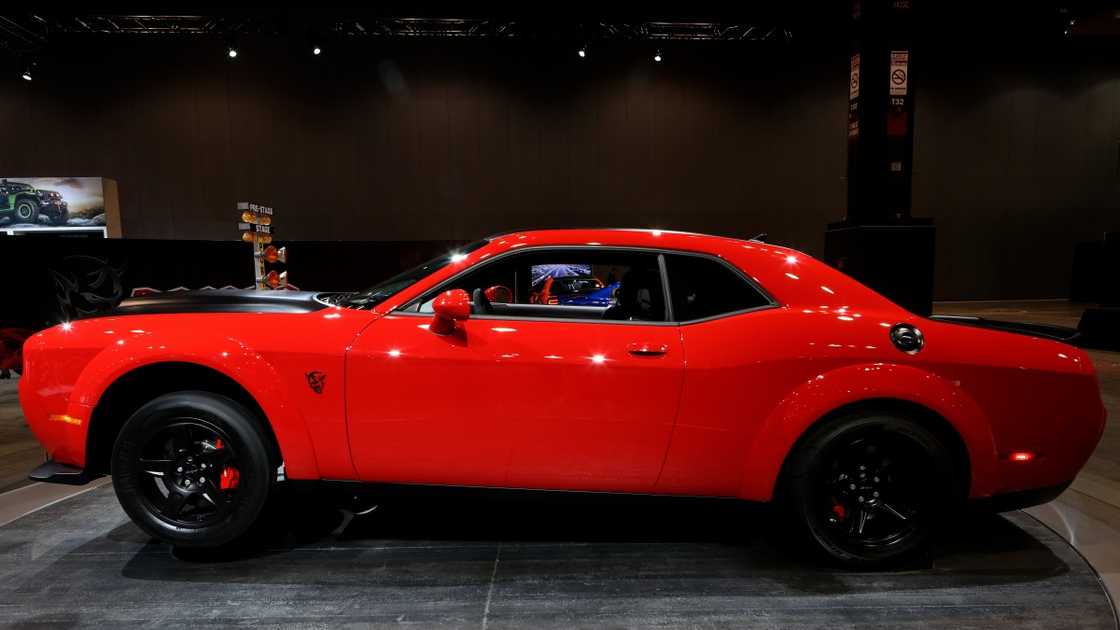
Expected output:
(232, 52)
(26, 74)
(315, 50)
(657, 56)
(582, 52)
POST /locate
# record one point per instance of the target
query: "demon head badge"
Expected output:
(316, 380)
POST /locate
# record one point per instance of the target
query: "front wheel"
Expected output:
(27, 211)
(867, 490)
(193, 469)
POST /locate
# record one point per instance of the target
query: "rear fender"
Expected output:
(851, 384)
(225, 355)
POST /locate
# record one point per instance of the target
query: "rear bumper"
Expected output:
(51, 471)
(1009, 501)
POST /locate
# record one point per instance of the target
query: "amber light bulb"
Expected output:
(247, 216)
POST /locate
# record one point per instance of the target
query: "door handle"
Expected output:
(645, 349)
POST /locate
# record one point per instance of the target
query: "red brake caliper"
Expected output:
(839, 511)
(230, 476)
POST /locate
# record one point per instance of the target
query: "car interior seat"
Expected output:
(639, 297)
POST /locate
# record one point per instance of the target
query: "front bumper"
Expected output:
(57, 208)
(51, 471)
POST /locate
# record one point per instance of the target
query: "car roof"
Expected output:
(624, 237)
(788, 275)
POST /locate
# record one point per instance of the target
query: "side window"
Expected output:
(567, 284)
(702, 287)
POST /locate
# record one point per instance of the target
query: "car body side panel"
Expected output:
(755, 382)
(527, 404)
(269, 357)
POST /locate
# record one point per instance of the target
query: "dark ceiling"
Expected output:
(28, 34)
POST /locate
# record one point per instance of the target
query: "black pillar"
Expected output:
(878, 242)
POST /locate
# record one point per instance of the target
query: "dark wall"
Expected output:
(1016, 159)
(1017, 156)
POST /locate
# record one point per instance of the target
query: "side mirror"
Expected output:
(450, 307)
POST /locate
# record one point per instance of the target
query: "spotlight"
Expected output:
(582, 52)
(232, 52)
(657, 56)
(26, 74)
(315, 50)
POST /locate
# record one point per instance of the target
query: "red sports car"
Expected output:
(723, 368)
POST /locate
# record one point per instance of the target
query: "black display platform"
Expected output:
(472, 565)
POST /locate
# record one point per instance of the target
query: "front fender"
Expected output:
(226, 355)
(832, 390)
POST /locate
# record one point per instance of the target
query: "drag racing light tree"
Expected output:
(269, 262)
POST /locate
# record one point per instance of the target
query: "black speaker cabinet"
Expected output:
(895, 260)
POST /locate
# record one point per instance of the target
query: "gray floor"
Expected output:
(461, 564)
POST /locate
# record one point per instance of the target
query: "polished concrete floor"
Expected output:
(564, 563)
(1087, 515)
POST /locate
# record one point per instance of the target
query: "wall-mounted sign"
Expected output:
(853, 78)
(62, 204)
(900, 72)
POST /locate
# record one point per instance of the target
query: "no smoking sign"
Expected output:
(900, 72)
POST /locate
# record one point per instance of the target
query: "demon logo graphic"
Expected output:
(85, 285)
(316, 380)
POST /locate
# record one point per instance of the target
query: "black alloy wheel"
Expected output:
(869, 491)
(188, 473)
(193, 469)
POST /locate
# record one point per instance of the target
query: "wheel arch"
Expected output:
(920, 414)
(134, 388)
(224, 364)
(937, 403)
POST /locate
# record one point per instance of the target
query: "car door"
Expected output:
(522, 395)
(731, 381)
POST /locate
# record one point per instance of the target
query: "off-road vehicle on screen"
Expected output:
(23, 203)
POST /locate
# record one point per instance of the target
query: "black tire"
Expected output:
(170, 464)
(868, 490)
(26, 210)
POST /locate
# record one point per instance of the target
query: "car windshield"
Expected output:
(382, 291)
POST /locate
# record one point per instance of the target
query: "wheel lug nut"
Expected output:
(874, 494)
(179, 469)
(852, 487)
(861, 499)
(876, 480)
(863, 467)
(189, 483)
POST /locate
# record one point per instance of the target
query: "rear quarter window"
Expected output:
(701, 288)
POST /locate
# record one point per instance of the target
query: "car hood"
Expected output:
(222, 301)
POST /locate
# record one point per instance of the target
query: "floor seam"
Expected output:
(490, 591)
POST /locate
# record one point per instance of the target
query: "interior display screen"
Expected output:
(538, 273)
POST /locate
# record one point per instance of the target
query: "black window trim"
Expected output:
(662, 266)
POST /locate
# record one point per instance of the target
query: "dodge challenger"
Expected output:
(721, 368)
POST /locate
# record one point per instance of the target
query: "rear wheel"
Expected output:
(193, 469)
(868, 490)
